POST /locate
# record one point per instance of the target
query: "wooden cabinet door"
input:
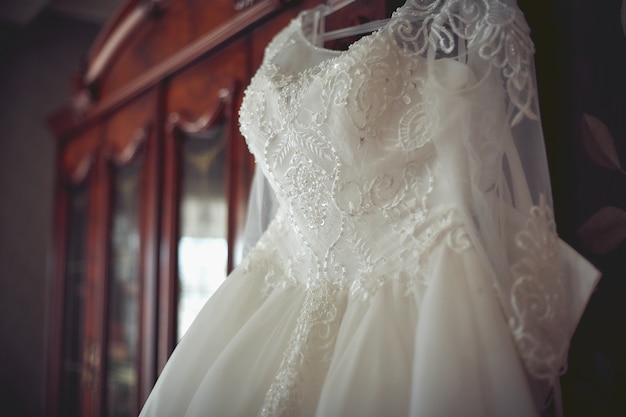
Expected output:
(119, 315)
(208, 169)
(68, 372)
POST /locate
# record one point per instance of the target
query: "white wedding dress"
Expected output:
(413, 267)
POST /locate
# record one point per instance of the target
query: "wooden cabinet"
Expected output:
(151, 189)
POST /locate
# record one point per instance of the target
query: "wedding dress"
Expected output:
(412, 268)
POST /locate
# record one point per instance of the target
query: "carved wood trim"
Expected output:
(131, 150)
(118, 15)
(176, 123)
(115, 40)
(79, 114)
(116, 33)
(80, 172)
(243, 4)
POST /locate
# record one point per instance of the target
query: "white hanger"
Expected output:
(354, 30)
(319, 33)
(324, 10)
(332, 6)
(319, 17)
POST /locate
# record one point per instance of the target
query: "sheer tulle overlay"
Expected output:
(413, 267)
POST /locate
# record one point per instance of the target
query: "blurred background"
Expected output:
(581, 68)
(42, 43)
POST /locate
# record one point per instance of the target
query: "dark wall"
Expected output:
(36, 64)
(581, 71)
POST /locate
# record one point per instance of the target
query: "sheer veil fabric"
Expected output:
(413, 266)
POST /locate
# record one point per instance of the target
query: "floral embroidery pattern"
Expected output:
(499, 29)
(537, 297)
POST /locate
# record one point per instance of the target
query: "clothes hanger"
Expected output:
(319, 17)
(331, 6)
(354, 30)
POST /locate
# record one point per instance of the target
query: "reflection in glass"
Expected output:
(73, 303)
(202, 247)
(123, 303)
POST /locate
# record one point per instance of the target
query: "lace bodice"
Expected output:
(346, 140)
(346, 143)
(406, 141)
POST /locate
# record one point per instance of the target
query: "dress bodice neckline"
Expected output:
(296, 33)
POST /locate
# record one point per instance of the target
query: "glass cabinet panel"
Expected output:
(72, 371)
(202, 245)
(123, 292)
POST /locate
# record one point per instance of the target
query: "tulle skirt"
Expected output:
(443, 351)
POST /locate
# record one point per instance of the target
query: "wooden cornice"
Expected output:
(177, 123)
(131, 150)
(81, 111)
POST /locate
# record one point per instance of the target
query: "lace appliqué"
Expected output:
(538, 297)
(305, 182)
(419, 242)
(309, 345)
(265, 259)
(498, 30)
